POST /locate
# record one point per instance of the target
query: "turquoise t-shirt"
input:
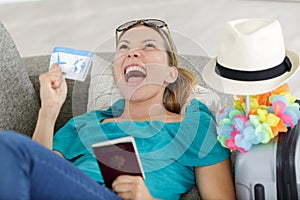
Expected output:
(168, 151)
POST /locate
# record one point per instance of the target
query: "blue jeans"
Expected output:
(30, 171)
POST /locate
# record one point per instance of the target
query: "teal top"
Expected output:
(168, 151)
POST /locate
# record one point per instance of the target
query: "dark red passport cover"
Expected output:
(118, 157)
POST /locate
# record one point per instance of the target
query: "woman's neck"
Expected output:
(142, 111)
(147, 111)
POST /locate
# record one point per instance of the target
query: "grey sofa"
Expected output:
(77, 98)
(19, 85)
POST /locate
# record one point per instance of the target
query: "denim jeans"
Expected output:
(30, 171)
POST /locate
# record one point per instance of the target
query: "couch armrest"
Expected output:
(192, 194)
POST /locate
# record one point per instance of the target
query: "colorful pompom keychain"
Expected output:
(256, 119)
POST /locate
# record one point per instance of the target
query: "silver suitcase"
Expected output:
(270, 171)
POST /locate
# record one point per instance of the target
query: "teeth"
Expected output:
(135, 68)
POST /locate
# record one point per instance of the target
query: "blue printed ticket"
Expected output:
(74, 63)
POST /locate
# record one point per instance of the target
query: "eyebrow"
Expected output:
(147, 40)
(126, 41)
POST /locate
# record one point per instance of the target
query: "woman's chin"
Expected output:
(134, 95)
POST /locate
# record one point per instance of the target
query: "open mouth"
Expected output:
(135, 74)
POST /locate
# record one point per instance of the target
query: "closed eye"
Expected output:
(150, 46)
(123, 47)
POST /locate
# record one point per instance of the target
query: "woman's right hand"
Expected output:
(53, 93)
(53, 89)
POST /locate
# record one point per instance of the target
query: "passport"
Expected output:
(118, 157)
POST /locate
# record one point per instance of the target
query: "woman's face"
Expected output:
(141, 64)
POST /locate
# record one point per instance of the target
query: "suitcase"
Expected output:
(270, 171)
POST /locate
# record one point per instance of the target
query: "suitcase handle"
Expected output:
(285, 164)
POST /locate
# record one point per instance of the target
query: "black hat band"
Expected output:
(260, 75)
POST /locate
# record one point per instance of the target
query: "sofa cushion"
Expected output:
(76, 101)
(103, 92)
(19, 103)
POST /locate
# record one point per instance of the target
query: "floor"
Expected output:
(37, 26)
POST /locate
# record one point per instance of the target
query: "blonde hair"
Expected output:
(176, 93)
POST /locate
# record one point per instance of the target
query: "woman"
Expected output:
(176, 151)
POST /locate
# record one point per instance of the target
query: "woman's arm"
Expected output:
(53, 92)
(215, 181)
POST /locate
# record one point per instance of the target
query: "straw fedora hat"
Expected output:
(252, 58)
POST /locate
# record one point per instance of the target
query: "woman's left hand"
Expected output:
(131, 187)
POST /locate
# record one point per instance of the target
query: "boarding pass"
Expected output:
(74, 63)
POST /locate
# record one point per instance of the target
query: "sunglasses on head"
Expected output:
(153, 23)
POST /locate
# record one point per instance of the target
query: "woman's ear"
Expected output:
(172, 75)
